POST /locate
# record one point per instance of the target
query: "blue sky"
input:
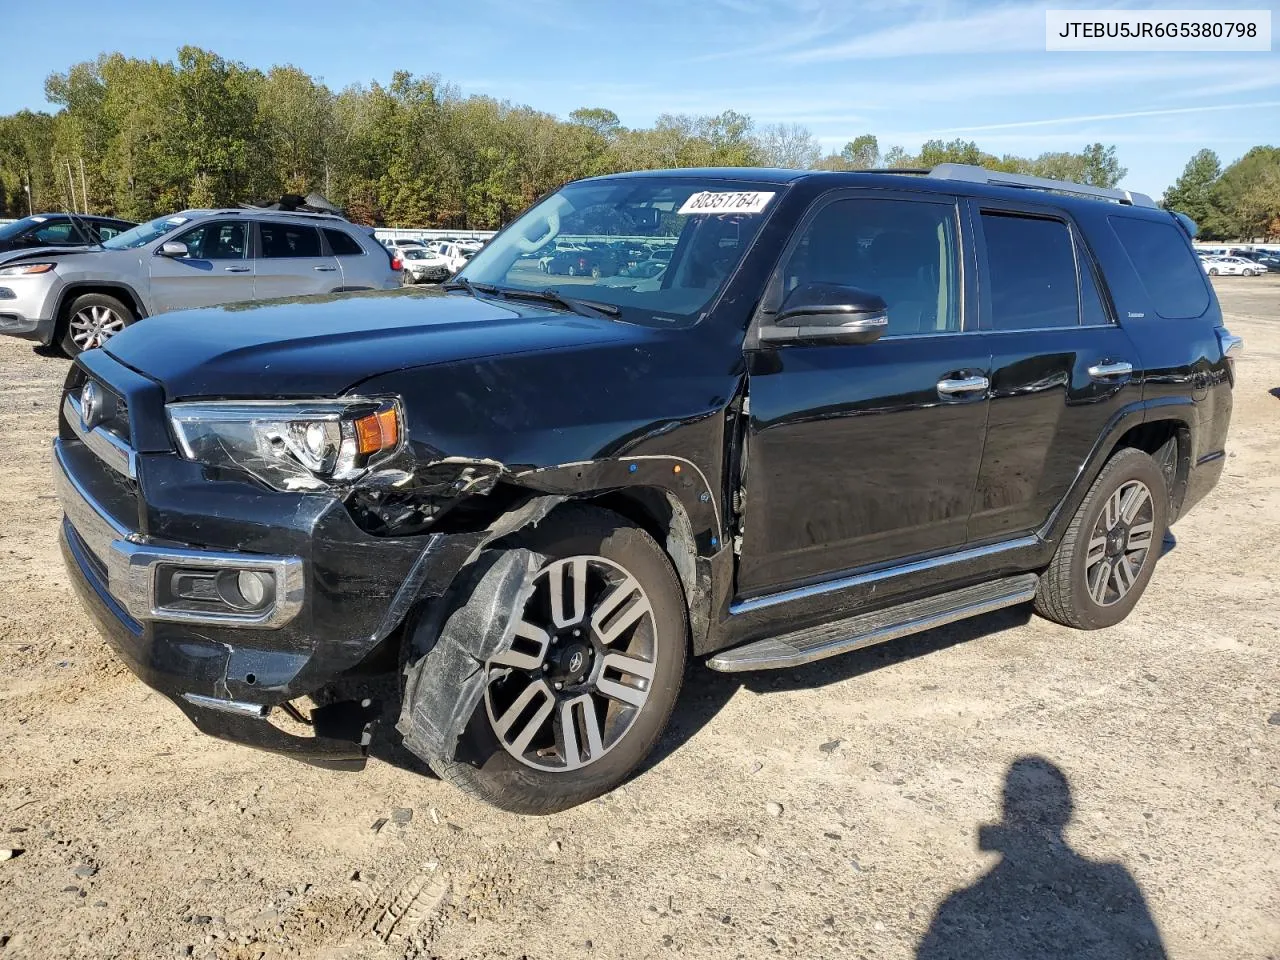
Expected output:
(905, 70)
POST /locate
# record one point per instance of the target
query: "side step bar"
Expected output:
(866, 629)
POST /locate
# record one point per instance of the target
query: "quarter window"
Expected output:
(1032, 268)
(902, 250)
(215, 241)
(281, 240)
(343, 244)
(1166, 266)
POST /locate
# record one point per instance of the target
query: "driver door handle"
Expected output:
(1111, 370)
(236, 269)
(325, 269)
(962, 386)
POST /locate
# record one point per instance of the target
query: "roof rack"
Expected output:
(973, 174)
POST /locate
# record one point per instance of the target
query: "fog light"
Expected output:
(255, 586)
(246, 589)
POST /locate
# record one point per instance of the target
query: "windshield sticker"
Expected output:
(709, 201)
(39, 219)
(177, 221)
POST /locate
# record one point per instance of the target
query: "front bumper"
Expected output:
(28, 305)
(340, 592)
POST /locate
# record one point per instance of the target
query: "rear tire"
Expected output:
(1110, 549)
(532, 779)
(92, 320)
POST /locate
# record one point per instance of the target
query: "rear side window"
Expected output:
(287, 240)
(1166, 266)
(343, 244)
(1032, 264)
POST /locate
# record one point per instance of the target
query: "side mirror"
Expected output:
(829, 313)
(173, 248)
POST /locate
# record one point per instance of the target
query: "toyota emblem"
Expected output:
(90, 405)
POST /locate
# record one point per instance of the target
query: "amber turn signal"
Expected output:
(376, 432)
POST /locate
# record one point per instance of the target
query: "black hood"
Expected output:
(322, 346)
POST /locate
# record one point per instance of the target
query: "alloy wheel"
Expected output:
(1120, 543)
(93, 326)
(580, 668)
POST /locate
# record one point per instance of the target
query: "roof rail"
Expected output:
(974, 174)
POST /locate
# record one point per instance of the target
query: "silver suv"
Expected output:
(81, 297)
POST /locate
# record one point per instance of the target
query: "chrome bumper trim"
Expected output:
(239, 707)
(113, 451)
(131, 564)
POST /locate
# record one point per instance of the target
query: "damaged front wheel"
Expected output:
(588, 682)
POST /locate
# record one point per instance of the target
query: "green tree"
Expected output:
(862, 153)
(1191, 192)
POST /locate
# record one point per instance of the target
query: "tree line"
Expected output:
(1241, 202)
(141, 138)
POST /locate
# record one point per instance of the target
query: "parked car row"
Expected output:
(600, 258)
(1232, 266)
(79, 296)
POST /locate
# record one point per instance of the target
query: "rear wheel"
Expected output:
(1107, 556)
(586, 689)
(92, 320)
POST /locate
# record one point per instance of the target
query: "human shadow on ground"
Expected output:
(1042, 900)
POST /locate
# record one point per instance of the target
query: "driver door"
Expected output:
(867, 454)
(216, 269)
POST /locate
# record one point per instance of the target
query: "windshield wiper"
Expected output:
(462, 283)
(585, 308)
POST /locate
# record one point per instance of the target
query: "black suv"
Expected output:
(854, 406)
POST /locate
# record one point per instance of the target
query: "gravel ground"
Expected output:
(827, 812)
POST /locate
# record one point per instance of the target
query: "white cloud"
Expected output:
(1107, 117)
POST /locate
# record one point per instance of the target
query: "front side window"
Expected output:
(904, 251)
(576, 242)
(1032, 267)
(60, 233)
(283, 240)
(215, 241)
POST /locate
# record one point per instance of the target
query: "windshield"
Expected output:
(658, 248)
(144, 233)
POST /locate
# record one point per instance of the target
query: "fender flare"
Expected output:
(1179, 409)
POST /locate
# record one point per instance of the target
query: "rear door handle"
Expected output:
(325, 269)
(236, 269)
(1111, 370)
(962, 386)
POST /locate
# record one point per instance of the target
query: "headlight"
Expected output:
(299, 445)
(25, 269)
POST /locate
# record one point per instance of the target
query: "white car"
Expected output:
(1229, 267)
(453, 254)
(470, 246)
(421, 264)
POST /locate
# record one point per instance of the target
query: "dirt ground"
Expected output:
(827, 812)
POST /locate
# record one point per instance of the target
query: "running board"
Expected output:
(864, 630)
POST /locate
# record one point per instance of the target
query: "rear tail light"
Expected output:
(396, 262)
